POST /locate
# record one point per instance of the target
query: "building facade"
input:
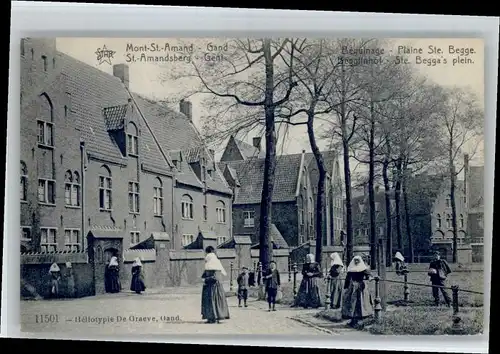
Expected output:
(96, 157)
(294, 197)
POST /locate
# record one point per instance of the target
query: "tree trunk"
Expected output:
(452, 201)
(388, 216)
(371, 191)
(266, 250)
(320, 201)
(407, 216)
(348, 203)
(397, 198)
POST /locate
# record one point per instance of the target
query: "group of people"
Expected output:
(112, 276)
(348, 290)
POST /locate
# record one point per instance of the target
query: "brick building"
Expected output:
(294, 197)
(97, 158)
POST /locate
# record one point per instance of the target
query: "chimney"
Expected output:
(186, 108)
(256, 142)
(121, 72)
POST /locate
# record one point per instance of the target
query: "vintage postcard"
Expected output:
(291, 186)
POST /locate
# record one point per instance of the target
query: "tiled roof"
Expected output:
(100, 102)
(250, 174)
(114, 117)
(276, 238)
(248, 150)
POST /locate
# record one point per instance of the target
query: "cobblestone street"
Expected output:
(171, 311)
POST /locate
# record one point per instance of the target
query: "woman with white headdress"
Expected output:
(55, 276)
(137, 283)
(309, 294)
(213, 297)
(400, 264)
(357, 303)
(336, 282)
(113, 276)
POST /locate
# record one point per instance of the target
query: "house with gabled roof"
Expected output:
(95, 155)
(294, 196)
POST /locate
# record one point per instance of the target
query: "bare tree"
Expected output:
(462, 122)
(242, 92)
(315, 72)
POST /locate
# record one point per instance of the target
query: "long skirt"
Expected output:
(357, 303)
(309, 294)
(336, 290)
(137, 283)
(114, 285)
(213, 302)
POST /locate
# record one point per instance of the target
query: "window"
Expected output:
(187, 207)
(220, 210)
(48, 242)
(133, 197)
(461, 221)
(24, 182)
(158, 198)
(221, 240)
(448, 202)
(377, 206)
(448, 220)
(45, 133)
(72, 189)
(44, 58)
(187, 239)
(249, 218)
(205, 213)
(135, 237)
(25, 233)
(132, 140)
(465, 199)
(393, 204)
(439, 221)
(46, 191)
(480, 222)
(300, 207)
(381, 230)
(105, 188)
(72, 240)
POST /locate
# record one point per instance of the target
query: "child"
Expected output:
(401, 268)
(243, 286)
(272, 279)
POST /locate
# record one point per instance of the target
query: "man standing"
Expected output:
(438, 272)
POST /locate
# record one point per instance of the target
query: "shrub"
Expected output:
(428, 321)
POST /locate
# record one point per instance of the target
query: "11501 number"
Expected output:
(46, 318)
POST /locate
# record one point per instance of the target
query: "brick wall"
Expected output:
(285, 218)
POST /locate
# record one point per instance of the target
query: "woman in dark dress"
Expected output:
(214, 306)
(137, 283)
(357, 303)
(114, 276)
(336, 281)
(309, 294)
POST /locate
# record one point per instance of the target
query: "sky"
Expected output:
(151, 79)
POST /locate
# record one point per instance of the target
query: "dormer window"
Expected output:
(44, 58)
(132, 140)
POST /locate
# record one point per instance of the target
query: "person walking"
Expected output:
(438, 273)
(336, 282)
(214, 306)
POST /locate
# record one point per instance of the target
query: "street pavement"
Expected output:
(165, 311)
